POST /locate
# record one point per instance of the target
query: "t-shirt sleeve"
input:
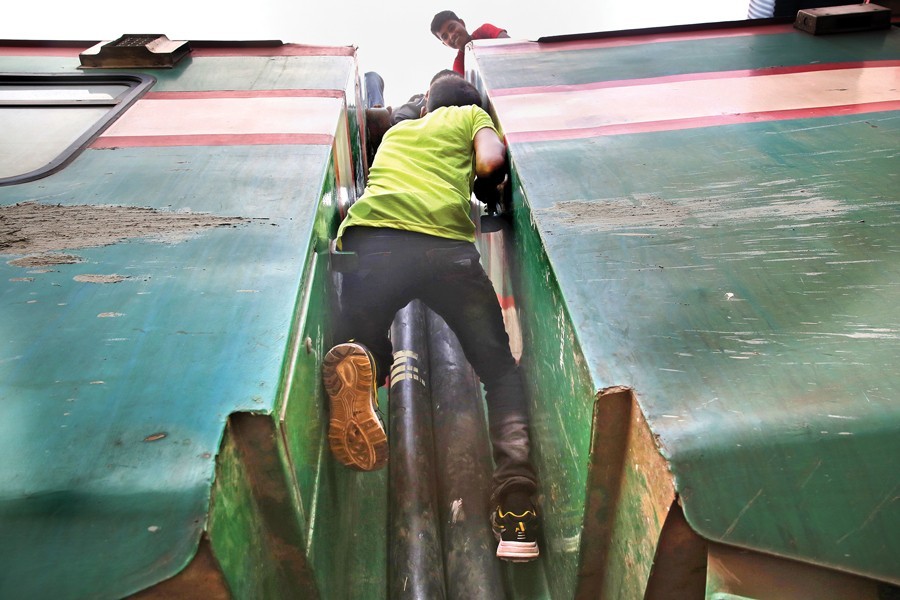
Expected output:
(480, 120)
(487, 32)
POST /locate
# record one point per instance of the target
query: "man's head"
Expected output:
(450, 29)
(452, 90)
(443, 73)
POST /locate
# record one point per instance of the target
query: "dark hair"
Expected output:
(444, 73)
(452, 90)
(441, 18)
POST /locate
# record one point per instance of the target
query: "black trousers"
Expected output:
(395, 267)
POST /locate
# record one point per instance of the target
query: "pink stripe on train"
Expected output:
(226, 119)
(611, 40)
(213, 140)
(703, 100)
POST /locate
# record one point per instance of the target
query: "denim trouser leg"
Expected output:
(396, 267)
(374, 89)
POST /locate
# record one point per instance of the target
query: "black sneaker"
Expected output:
(355, 431)
(517, 533)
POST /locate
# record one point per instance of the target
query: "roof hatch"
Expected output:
(145, 50)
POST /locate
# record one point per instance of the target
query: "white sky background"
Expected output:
(393, 38)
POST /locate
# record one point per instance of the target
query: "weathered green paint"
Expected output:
(261, 73)
(561, 395)
(350, 536)
(629, 496)
(346, 511)
(356, 121)
(211, 73)
(804, 328)
(748, 303)
(300, 408)
(645, 60)
(741, 280)
(254, 527)
(122, 417)
(168, 306)
(235, 521)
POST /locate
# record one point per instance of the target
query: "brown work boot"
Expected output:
(355, 431)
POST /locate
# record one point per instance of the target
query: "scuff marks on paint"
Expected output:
(43, 259)
(40, 231)
(91, 278)
(786, 206)
(612, 213)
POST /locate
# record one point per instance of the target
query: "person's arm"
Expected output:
(490, 155)
(490, 168)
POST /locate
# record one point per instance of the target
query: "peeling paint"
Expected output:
(38, 230)
(89, 278)
(705, 208)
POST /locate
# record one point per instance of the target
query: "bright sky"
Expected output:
(393, 38)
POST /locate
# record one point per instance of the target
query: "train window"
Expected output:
(48, 119)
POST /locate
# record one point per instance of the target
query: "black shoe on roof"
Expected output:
(516, 530)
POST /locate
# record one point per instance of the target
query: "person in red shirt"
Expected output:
(452, 32)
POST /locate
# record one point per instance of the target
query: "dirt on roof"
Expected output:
(40, 232)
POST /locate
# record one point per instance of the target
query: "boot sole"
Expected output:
(356, 434)
(517, 551)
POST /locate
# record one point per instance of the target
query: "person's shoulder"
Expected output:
(481, 117)
(467, 111)
(471, 111)
(469, 118)
(445, 118)
(487, 31)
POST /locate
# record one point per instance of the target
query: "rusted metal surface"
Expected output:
(747, 574)
(629, 492)
(679, 567)
(202, 578)
(252, 477)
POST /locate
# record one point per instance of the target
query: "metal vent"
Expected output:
(143, 50)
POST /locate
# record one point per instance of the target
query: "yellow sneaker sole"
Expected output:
(356, 434)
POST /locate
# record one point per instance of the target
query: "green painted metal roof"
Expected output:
(93, 373)
(741, 275)
(114, 395)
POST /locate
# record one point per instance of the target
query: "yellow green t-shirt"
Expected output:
(421, 178)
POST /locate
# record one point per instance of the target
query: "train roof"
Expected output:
(718, 209)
